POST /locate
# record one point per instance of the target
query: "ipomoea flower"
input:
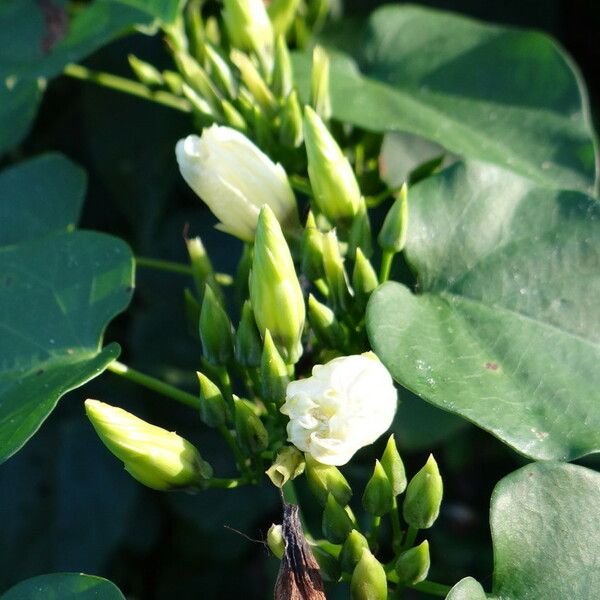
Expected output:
(346, 404)
(235, 179)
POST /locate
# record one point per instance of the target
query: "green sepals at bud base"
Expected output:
(282, 14)
(334, 184)
(368, 581)
(325, 325)
(378, 498)
(174, 82)
(412, 566)
(337, 524)
(220, 71)
(352, 549)
(364, 279)
(253, 80)
(216, 332)
(233, 117)
(393, 466)
(202, 269)
(290, 129)
(288, 464)
(275, 291)
(329, 565)
(283, 76)
(213, 409)
(248, 345)
(392, 236)
(251, 433)
(323, 480)
(273, 373)
(312, 250)
(157, 458)
(335, 274)
(249, 27)
(198, 79)
(424, 496)
(145, 72)
(275, 540)
(319, 83)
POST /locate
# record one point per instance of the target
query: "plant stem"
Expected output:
(386, 264)
(430, 587)
(228, 484)
(374, 532)
(411, 535)
(301, 184)
(152, 383)
(375, 201)
(239, 457)
(128, 86)
(163, 265)
(396, 528)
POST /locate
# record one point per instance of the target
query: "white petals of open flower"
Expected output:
(235, 179)
(346, 404)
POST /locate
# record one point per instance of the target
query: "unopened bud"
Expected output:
(336, 521)
(216, 332)
(233, 117)
(326, 479)
(253, 81)
(145, 72)
(213, 410)
(198, 79)
(248, 345)
(273, 373)
(282, 14)
(290, 129)
(335, 274)
(393, 466)
(251, 433)
(288, 464)
(324, 323)
(392, 236)
(352, 549)
(174, 82)
(221, 72)
(312, 250)
(283, 76)
(202, 269)
(378, 498)
(368, 581)
(412, 566)
(275, 540)
(360, 232)
(249, 27)
(200, 106)
(319, 88)
(192, 312)
(364, 279)
(424, 496)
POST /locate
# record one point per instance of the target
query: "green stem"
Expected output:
(301, 184)
(239, 457)
(375, 201)
(154, 384)
(128, 86)
(228, 484)
(175, 267)
(374, 532)
(396, 527)
(411, 535)
(430, 587)
(386, 265)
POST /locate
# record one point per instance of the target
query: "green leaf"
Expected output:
(18, 107)
(506, 96)
(505, 329)
(467, 589)
(38, 196)
(64, 586)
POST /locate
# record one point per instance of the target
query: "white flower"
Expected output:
(346, 404)
(235, 179)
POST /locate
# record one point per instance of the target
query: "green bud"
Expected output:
(263, 131)
(393, 466)
(352, 549)
(233, 117)
(275, 291)
(324, 480)
(249, 27)
(329, 566)
(273, 373)
(290, 130)
(312, 250)
(378, 498)
(220, 71)
(282, 14)
(251, 433)
(412, 566)
(253, 80)
(157, 458)
(319, 84)
(392, 236)
(283, 76)
(364, 279)
(200, 106)
(195, 29)
(275, 540)
(212, 31)
(202, 269)
(174, 82)
(335, 274)
(424, 496)
(248, 345)
(369, 581)
(288, 464)
(360, 232)
(198, 79)
(325, 325)
(336, 522)
(145, 72)
(215, 330)
(213, 410)
(333, 181)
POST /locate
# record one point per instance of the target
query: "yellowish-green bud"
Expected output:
(333, 181)
(195, 29)
(288, 464)
(145, 72)
(202, 269)
(216, 332)
(213, 409)
(392, 236)
(275, 540)
(325, 325)
(312, 250)
(200, 106)
(212, 31)
(263, 129)
(273, 373)
(249, 27)
(393, 466)
(174, 82)
(253, 80)
(335, 274)
(220, 71)
(352, 549)
(368, 581)
(378, 498)
(251, 433)
(337, 524)
(326, 479)
(412, 566)
(364, 279)
(157, 458)
(275, 291)
(424, 496)
(290, 130)
(233, 117)
(282, 14)
(198, 79)
(248, 345)
(360, 233)
(319, 84)
(283, 76)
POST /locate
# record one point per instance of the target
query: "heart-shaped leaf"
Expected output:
(505, 328)
(64, 586)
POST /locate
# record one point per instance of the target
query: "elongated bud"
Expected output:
(335, 274)
(333, 181)
(275, 540)
(198, 79)
(393, 466)
(249, 27)
(253, 81)
(192, 312)
(329, 566)
(324, 480)
(195, 29)
(174, 82)
(213, 410)
(288, 464)
(160, 459)
(212, 31)
(364, 279)
(201, 108)
(319, 84)
(144, 71)
(282, 13)
(352, 549)
(424, 496)
(283, 76)
(233, 117)
(360, 233)
(324, 323)
(248, 345)
(378, 498)
(202, 269)
(336, 522)
(275, 291)
(392, 236)
(251, 433)
(216, 332)
(221, 72)
(273, 373)
(368, 580)
(412, 566)
(290, 130)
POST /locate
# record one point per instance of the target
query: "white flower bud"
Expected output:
(235, 179)
(346, 404)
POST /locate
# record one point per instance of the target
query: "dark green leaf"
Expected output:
(505, 329)
(18, 107)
